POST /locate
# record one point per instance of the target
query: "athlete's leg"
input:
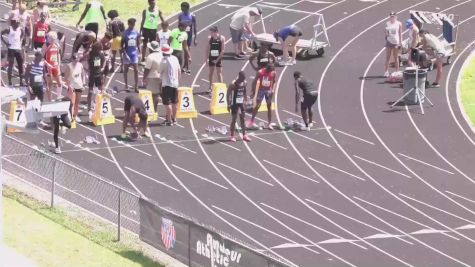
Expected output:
(136, 78)
(388, 58)
(219, 72)
(126, 72)
(396, 57)
(211, 75)
(303, 110)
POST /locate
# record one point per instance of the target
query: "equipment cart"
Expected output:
(306, 48)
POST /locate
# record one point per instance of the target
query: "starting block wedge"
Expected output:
(147, 99)
(17, 115)
(219, 103)
(186, 104)
(103, 110)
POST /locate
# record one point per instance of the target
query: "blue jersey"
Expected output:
(130, 39)
(188, 19)
(288, 30)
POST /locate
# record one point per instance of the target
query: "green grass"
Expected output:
(468, 91)
(51, 237)
(126, 8)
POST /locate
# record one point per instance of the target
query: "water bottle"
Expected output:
(224, 130)
(261, 125)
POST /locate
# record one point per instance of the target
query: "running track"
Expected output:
(381, 187)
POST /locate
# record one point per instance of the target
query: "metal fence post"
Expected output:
(189, 245)
(53, 182)
(118, 216)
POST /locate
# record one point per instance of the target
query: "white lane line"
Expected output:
(180, 146)
(313, 140)
(199, 176)
(219, 141)
(291, 113)
(459, 196)
(131, 147)
(355, 137)
(337, 169)
(151, 179)
(307, 223)
(438, 209)
(399, 215)
(291, 171)
(267, 141)
(245, 174)
(425, 163)
(381, 166)
(259, 226)
(355, 220)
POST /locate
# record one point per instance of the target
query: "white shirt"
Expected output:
(153, 63)
(240, 18)
(170, 70)
(393, 32)
(163, 37)
(14, 38)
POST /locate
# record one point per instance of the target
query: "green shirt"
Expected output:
(94, 14)
(178, 38)
(151, 19)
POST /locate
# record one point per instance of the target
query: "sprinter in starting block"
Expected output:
(133, 106)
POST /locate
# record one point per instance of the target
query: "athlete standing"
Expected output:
(149, 25)
(264, 89)
(236, 97)
(215, 54)
(189, 19)
(310, 96)
(263, 57)
(131, 50)
(53, 61)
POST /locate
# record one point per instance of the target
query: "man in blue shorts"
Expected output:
(288, 37)
(131, 49)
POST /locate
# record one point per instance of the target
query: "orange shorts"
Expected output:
(54, 71)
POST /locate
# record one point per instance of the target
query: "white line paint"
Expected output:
(222, 142)
(427, 164)
(267, 141)
(337, 169)
(313, 140)
(466, 227)
(428, 231)
(307, 223)
(259, 227)
(245, 174)
(200, 177)
(459, 196)
(130, 146)
(151, 179)
(291, 113)
(381, 166)
(355, 137)
(399, 215)
(438, 209)
(180, 146)
(291, 171)
(355, 220)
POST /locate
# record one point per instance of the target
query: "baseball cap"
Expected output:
(166, 50)
(409, 23)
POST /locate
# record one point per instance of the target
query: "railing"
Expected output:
(176, 234)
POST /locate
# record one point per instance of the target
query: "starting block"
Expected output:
(103, 110)
(186, 104)
(17, 115)
(73, 122)
(147, 99)
(219, 103)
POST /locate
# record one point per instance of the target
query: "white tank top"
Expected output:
(393, 32)
(14, 38)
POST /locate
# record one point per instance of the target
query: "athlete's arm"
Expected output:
(208, 47)
(138, 43)
(143, 21)
(251, 60)
(27, 77)
(187, 50)
(223, 41)
(400, 33)
(272, 56)
(6, 31)
(161, 16)
(104, 13)
(83, 15)
(297, 95)
(229, 95)
(193, 22)
(273, 82)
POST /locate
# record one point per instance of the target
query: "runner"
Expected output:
(190, 21)
(288, 37)
(265, 89)
(35, 77)
(93, 11)
(133, 106)
(25, 23)
(97, 63)
(15, 35)
(75, 79)
(131, 50)
(106, 43)
(310, 96)
(214, 54)
(84, 40)
(263, 57)
(178, 44)
(236, 97)
(151, 75)
(170, 75)
(149, 26)
(40, 31)
(393, 35)
(63, 121)
(117, 28)
(164, 34)
(53, 61)
(240, 24)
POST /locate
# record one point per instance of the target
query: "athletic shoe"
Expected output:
(174, 122)
(123, 136)
(232, 138)
(270, 126)
(44, 124)
(77, 119)
(167, 123)
(146, 134)
(57, 150)
(285, 63)
(294, 62)
(246, 138)
(252, 125)
(386, 74)
(239, 56)
(90, 114)
(310, 124)
(188, 72)
(435, 85)
(304, 128)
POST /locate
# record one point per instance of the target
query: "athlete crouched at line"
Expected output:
(236, 97)
(133, 106)
(63, 121)
(310, 96)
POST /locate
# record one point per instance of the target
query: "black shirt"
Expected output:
(134, 101)
(214, 47)
(95, 64)
(308, 87)
(117, 28)
(263, 59)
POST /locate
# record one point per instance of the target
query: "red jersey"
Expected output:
(266, 79)
(52, 55)
(41, 30)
